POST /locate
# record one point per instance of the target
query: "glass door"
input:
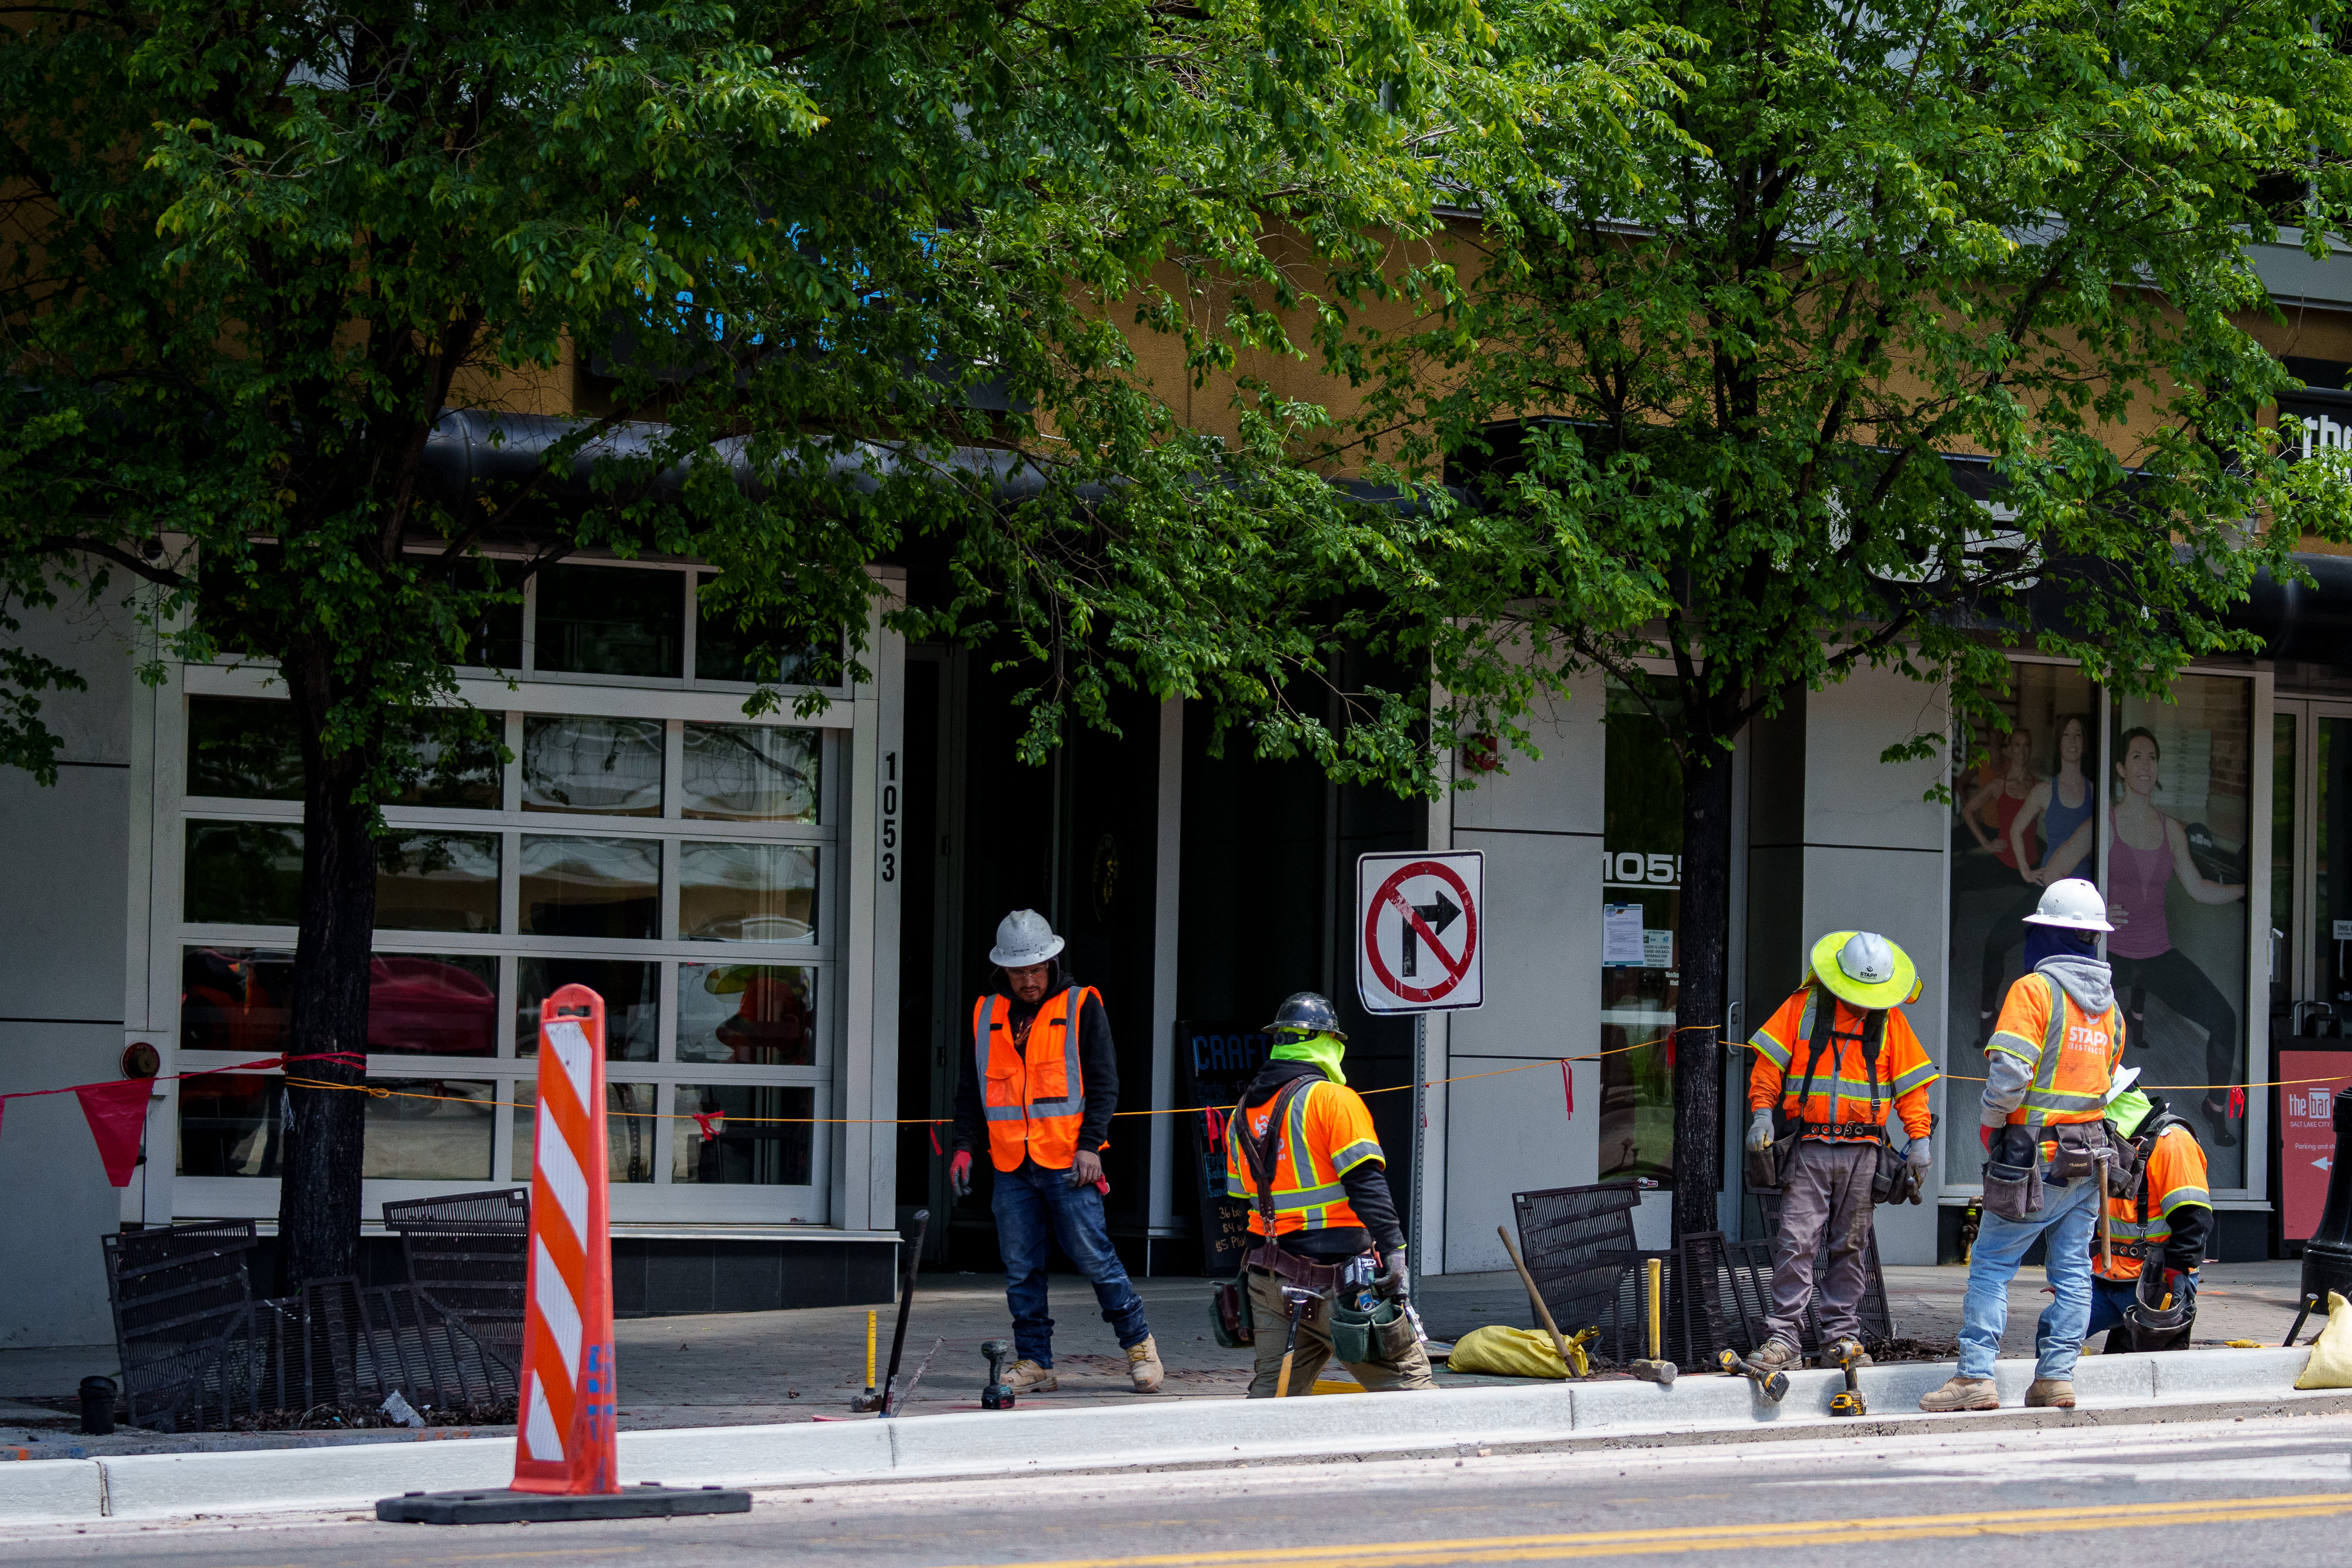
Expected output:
(2312, 908)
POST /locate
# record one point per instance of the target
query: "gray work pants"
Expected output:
(1826, 1193)
(1270, 1326)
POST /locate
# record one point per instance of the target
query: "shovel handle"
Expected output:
(1535, 1299)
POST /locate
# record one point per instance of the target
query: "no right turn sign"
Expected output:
(1417, 928)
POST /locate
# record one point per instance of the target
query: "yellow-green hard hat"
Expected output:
(1866, 969)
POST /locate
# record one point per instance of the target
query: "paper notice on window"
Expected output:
(1657, 949)
(1621, 935)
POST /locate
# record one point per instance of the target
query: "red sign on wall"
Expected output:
(2307, 1119)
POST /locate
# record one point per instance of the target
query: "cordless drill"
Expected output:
(996, 1396)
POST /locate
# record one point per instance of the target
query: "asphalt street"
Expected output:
(2274, 1491)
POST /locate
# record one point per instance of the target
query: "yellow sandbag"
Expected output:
(2330, 1365)
(1507, 1353)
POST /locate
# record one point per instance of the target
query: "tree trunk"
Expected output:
(324, 1138)
(1698, 1002)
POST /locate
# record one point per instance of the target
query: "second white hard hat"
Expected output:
(1022, 939)
(2072, 903)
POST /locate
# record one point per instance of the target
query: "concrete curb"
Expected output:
(1191, 1434)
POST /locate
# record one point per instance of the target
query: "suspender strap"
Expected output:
(1261, 1154)
(1823, 1041)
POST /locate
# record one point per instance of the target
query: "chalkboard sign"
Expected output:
(1218, 1061)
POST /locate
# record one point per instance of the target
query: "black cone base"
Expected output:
(498, 1506)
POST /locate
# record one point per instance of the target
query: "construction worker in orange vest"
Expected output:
(1832, 1061)
(2049, 1068)
(1300, 1150)
(2144, 1287)
(1039, 1085)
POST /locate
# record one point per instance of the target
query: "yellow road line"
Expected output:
(1733, 1537)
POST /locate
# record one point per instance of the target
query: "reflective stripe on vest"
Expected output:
(1065, 1108)
(2043, 1099)
(1311, 1203)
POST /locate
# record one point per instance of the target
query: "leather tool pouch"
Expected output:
(2012, 1176)
(1381, 1333)
(1229, 1313)
(2078, 1149)
(1887, 1180)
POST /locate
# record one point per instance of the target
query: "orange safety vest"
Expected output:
(2140, 1223)
(2072, 1052)
(1033, 1096)
(1327, 1132)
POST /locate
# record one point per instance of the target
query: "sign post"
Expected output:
(566, 1460)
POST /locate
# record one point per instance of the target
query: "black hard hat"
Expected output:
(1304, 1012)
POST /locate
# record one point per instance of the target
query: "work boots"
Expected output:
(2057, 1392)
(1962, 1394)
(1777, 1355)
(1143, 1366)
(1025, 1376)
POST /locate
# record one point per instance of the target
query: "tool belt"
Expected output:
(2146, 1251)
(1875, 1131)
(1304, 1272)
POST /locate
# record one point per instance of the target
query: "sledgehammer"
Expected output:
(1656, 1369)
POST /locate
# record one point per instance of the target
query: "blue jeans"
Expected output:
(1034, 1209)
(2108, 1299)
(2068, 1215)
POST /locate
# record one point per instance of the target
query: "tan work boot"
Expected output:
(1961, 1393)
(1776, 1355)
(1143, 1366)
(1025, 1376)
(2057, 1392)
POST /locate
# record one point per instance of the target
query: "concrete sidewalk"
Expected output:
(761, 1368)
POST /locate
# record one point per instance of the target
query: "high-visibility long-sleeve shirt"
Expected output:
(1842, 1090)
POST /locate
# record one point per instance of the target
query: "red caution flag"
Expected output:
(117, 1114)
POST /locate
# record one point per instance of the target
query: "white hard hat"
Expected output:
(2072, 903)
(2122, 1084)
(1867, 958)
(1023, 938)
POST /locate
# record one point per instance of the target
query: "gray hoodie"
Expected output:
(2091, 985)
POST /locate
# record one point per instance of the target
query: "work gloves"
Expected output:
(1396, 1283)
(1759, 1131)
(1918, 1156)
(959, 1173)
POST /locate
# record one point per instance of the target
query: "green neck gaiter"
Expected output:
(1320, 1050)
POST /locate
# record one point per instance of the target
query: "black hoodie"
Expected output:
(1366, 1184)
(1097, 1061)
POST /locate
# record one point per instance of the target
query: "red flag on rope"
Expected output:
(1568, 1087)
(117, 1114)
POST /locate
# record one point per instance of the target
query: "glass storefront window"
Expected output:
(236, 1000)
(725, 649)
(430, 881)
(2179, 802)
(611, 767)
(750, 1134)
(2331, 883)
(2024, 813)
(750, 773)
(628, 1131)
(452, 770)
(746, 893)
(429, 1129)
(608, 888)
(243, 748)
(1640, 878)
(611, 620)
(228, 1124)
(2281, 945)
(632, 993)
(761, 1015)
(242, 873)
(433, 1006)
